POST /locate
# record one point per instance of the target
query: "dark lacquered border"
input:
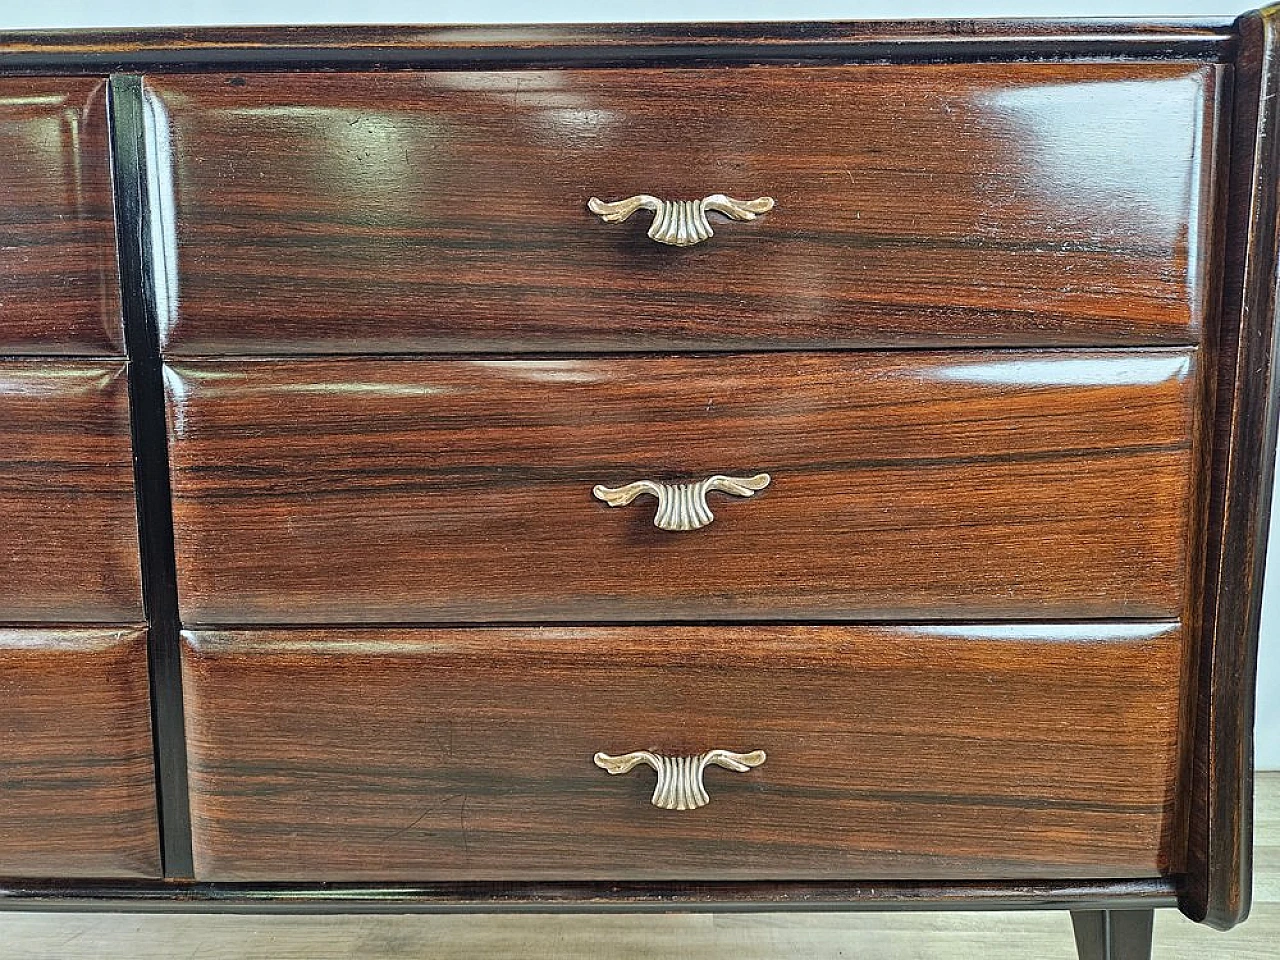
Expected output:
(652, 897)
(151, 471)
(391, 47)
(1220, 836)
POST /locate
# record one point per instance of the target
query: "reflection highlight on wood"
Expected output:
(405, 754)
(77, 794)
(925, 207)
(910, 486)
(68, 523)
(59, 292)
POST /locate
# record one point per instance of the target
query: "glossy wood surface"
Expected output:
(58, 286)
(1025, 204)
(582, 896)
(151, 471)
(69, 535)
(77, 798)
(1236, 341)
(905, 486)
(356, 47)
(1218, 890)
(466, 754)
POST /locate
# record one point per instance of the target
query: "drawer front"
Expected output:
(59, 292)
(77, 798)
(69, 536)
(893, 752)
(1024, 204)
(956, 485)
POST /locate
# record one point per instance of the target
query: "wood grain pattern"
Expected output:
(69, 537)
(58, 285)
(466, 754)
(582, 896)
(1219, 881)
(77, 797)
(149, 932)
(1030, 204)
(390, 46)
(906, 486)
(1013, 228)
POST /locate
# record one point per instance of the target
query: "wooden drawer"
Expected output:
(59, 292)
(892, 752)
(1025, 204)
(77, 797)
(69, 534)
(904, 486)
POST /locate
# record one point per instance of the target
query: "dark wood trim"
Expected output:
(392, 47)
(1113, 934)
(568, 897)
(151, 471)
(1219, 880)
(1200, 533)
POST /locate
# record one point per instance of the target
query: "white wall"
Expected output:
(16, 14)
(1268, 723)
(79, 13)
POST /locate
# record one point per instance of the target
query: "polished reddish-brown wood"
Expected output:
(962, 751)
(68, 521)
(77, 797)
(905, 486)
(1218, 889)
(59, 292)
(1027, 204)
(1227, 250)
(199, 49)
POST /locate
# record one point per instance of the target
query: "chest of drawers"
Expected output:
(815, 466)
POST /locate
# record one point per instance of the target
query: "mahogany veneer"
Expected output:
(444, 211)
(466, 754)
(58, 288)
(68, 537)
(905, 486)
(77, 794)
(1004, 345)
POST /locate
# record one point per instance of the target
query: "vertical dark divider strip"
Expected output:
(151, 468)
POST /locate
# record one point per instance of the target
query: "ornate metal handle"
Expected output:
(680, 778)
(680, 223)
(681, 506)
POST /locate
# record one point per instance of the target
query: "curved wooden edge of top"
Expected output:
(576, 897)
(382, 47)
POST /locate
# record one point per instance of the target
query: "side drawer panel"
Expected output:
(69, 535)
(77, 794)
(59, 292)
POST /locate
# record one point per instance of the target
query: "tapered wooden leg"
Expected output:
(1113, 934)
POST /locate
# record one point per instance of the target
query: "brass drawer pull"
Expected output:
(680, 223)
(681, 506)
(680, 778)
